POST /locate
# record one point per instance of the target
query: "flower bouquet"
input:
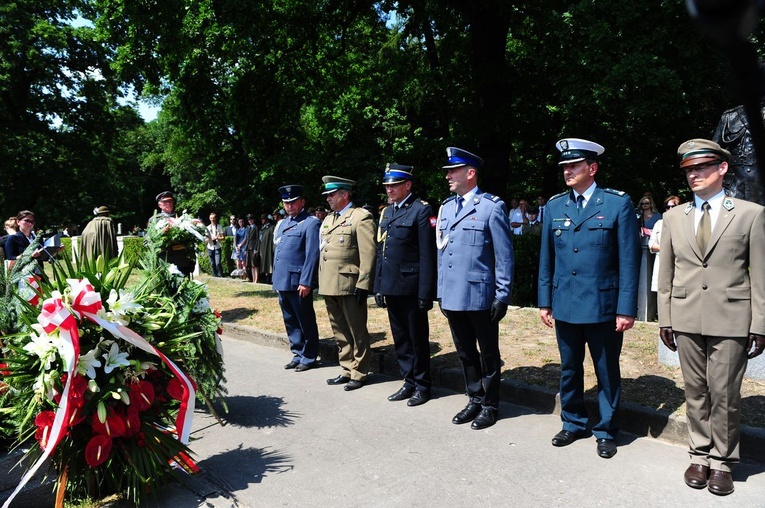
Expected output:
(103, 375)
(168, 233)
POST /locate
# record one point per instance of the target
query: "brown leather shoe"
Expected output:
(720, 482)
(696, 476)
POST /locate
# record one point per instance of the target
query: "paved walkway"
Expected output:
(292, 440)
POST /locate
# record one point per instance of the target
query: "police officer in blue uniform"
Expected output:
(588, 282)
(405, 280)
(475, 270)
(296, 267)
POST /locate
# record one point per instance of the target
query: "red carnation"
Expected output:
(3, 370)
(44, 422)
(97, 450)
(141, 395)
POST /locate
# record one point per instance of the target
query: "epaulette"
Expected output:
(450, 198)
(614, 191)
(490, 196)
(565, 193)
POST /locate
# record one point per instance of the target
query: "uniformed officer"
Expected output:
(711, 301)
(475, 270)
(296, 274)
(184, 259)
(405, 280)
(346, 267)
(588, 281)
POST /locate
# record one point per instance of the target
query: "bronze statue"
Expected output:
(733, 133)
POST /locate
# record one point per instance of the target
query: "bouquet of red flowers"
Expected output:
(105, 376)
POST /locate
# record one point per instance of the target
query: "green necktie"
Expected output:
(705, 228)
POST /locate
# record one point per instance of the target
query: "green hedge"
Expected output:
(229, 264)
(526, 250)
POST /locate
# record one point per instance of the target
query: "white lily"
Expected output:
(88, 363)
(42, 346)
(114, 358)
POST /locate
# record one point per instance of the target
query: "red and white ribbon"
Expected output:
(85, 304)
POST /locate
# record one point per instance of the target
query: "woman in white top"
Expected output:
(655, 240)
(213, 241)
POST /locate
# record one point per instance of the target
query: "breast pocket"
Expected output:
(402, 229)
(561, 232)
(473, 232)
(601, 232)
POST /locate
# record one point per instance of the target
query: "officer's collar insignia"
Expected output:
(688, 208)
(476, 200)
(728, 204)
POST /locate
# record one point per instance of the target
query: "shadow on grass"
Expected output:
(238, 314)
(547, 375)
(258, 412)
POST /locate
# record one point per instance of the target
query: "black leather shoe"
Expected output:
(566, 437)
(468, 414)
(353, 385)
(291, 365)
(696, 476)
(720, 482)
(606, 447)
(486, 418)
(303, 367)
(339, 380)
(418, 398)
(403, 393)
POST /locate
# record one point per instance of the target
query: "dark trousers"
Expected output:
(605, 347)
(300, 323)
(409, 326)
(215, 265)
(471, 330)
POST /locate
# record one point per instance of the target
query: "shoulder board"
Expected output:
(565, 193)
(450, 198)
(614, 191)
(490, 196)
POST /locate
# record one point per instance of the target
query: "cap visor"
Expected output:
(571, 161)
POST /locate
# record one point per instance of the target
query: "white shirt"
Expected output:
(466, 197)
(715, 204)
(587, 194)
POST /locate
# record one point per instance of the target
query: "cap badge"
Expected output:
(691, 145)
(564, 144)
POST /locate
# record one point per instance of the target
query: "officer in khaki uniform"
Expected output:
(346, 265)
(711, 308)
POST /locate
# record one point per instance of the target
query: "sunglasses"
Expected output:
(670, 206)
(27, 221)
(645, 203)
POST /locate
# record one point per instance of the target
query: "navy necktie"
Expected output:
(460, 200)
(579, 204)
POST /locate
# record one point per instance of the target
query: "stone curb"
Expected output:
(635, 419)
